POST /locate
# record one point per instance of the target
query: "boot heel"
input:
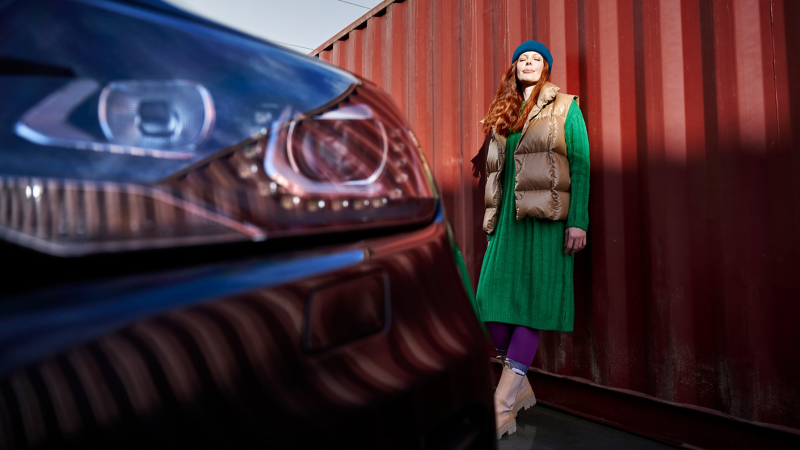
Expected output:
(510, 428)
(529, 402)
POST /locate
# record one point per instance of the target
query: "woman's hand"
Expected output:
(574, 240)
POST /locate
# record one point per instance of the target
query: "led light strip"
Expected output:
(74, 218)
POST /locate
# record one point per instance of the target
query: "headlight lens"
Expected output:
(319, 150)
(156, 114)
(161, 119)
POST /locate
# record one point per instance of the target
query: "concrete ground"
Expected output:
(543, 428)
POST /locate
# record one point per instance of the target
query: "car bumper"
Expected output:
(273, 352)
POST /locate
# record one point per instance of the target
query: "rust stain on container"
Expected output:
(688, 291)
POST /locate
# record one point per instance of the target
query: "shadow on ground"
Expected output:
(543, 428)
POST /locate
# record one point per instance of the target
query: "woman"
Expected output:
(537, 193)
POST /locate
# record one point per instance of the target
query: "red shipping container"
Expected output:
(687, 297)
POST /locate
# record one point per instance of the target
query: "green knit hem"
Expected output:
(565, 328)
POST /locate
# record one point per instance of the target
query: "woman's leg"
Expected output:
(500, 334)
(513, 390)
(522, 348)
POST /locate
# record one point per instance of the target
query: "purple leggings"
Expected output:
(520, 341)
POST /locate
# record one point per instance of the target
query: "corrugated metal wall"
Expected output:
(689, 290)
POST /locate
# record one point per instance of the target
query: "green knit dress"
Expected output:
(526, 279)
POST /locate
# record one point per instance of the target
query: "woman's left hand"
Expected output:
(574, 240)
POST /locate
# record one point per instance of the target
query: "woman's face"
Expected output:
(529, 68)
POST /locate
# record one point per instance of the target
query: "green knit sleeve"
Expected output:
(578, 156)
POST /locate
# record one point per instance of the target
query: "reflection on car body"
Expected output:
(217, 243)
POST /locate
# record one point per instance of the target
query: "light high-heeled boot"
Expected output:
(504, 397)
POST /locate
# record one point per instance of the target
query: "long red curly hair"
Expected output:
(504, 114)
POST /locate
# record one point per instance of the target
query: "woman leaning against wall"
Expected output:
(537, 191)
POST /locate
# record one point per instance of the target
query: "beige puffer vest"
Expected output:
(541, 174)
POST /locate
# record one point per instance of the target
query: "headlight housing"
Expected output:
(354, 166)
(197, 134)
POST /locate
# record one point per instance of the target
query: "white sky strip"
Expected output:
(300, 25)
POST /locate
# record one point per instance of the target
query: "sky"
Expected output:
(301, 25)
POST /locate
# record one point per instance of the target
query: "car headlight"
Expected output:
(173, 132)
(353, 166)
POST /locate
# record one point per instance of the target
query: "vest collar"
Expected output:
(546, 96)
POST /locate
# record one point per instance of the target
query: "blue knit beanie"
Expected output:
(534, 46)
